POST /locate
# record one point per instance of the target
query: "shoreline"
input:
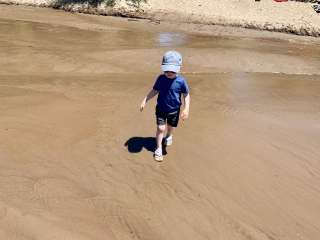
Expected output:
(97, 23)
(172, 35)
(264, 16)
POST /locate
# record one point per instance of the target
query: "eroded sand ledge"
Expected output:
(290, 17)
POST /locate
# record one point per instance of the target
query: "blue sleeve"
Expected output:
(156, 85)
(184, 87)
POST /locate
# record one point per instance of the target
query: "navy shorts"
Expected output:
(172, 118)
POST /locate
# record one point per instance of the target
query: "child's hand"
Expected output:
(185, 114)
(143, 104)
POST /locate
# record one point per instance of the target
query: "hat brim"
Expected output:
(170, 68)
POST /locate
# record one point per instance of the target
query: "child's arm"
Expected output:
(185, 112)
(150, 95)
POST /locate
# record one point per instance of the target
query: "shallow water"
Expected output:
(76, 152)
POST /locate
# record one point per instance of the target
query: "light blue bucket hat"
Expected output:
(172, 61)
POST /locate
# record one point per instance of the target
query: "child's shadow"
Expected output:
(136, 144)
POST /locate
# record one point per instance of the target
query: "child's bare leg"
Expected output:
(169, 130)
(160, 134)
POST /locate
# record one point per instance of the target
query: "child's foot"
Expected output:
(158, 155)
(168, 140)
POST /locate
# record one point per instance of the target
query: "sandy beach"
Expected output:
(290, 17)
(76, 153)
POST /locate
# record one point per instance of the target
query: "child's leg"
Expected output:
(172, 122)
(168, 138)
(160, 134)
(169, 130)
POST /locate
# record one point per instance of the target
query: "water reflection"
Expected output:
(169, 39)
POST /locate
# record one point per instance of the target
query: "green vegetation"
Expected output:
(110, 3)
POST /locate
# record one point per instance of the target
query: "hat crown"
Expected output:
(172, 58)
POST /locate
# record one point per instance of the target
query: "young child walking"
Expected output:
(169, 87)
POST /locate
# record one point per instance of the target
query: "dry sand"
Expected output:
(291, 17)
(76, 160)
(294, 17)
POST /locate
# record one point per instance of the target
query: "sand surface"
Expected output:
(290, 17)
(76, 153)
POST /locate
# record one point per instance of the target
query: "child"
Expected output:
(169, 87)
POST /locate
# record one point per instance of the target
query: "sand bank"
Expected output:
(290, 17)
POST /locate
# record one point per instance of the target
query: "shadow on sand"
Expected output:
(137, 144)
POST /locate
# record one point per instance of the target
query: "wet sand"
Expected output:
(76, 153)
(292, 17)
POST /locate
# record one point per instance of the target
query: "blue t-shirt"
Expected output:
(170, 90)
